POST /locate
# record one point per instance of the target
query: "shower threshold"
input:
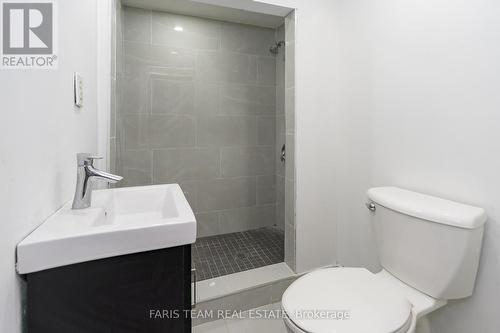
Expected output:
(220, 255)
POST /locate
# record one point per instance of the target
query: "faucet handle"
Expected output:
(86, 158)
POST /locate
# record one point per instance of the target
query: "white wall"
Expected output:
(40, 133)
(420, 109)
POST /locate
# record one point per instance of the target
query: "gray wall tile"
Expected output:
(227, 193)
(172, 96)
(280, 141)
(198, 107)
(266, 130)
(174, 165)
(165, 131)
(168, 56)
(247, 161)
(246, 218)
(290, 65)
(235, 220)
(237, 68)
(280, 95)
(134, 95)
(290, 27)
(189, 188)
(224, 131)
(290, 230)
(280, 32)
(170, 73)
(136, 56)
(280, 130)
(135, 167)
(137, 25)
(139, 57)
(290, 157)
(280, 202)
(206, 99)
(290, 110)
(246, 39)
(247, 100)
(158, 131)
(206, 66)
(266, 190)
(265, 215)
(207, 224)
(266, 70)
(135, 131)
(194, 32)
(289, 202)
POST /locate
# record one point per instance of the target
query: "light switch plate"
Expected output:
(78, 89)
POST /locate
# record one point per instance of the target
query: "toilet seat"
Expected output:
(373, 307)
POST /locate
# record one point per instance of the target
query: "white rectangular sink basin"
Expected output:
(119, 221)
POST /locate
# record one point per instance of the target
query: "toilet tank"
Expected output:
(429, 243)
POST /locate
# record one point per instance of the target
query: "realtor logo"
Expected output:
(28, 34)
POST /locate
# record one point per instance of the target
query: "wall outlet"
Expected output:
(78, 89)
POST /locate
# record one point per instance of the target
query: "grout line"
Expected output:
(152, 166)
(235, 208)
(196, 121)
(150, 88)
(220, 162)
(151, 26)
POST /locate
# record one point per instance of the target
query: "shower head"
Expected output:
(276, 47)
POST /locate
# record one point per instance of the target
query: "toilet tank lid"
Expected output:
(427, 207)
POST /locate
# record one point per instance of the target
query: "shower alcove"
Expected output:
(203, 96)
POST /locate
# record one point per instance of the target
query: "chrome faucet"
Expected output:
(86, 173)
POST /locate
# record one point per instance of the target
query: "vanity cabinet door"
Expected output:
(143, 292)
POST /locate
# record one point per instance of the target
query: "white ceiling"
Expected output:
(239, 11)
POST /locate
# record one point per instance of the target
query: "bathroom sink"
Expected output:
(119, 221)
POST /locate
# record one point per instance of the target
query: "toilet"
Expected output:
(429, 249)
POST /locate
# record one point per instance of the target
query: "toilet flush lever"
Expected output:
(371, 206)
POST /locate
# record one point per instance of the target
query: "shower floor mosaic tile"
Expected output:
(236, 252)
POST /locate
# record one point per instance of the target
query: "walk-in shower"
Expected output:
(201, 103)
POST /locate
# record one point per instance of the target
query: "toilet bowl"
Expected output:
(429, 249)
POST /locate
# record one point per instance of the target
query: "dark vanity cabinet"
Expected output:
(143, 292)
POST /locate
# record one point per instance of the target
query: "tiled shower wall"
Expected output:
(197, 106)
(290, 230)
(280, 129)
